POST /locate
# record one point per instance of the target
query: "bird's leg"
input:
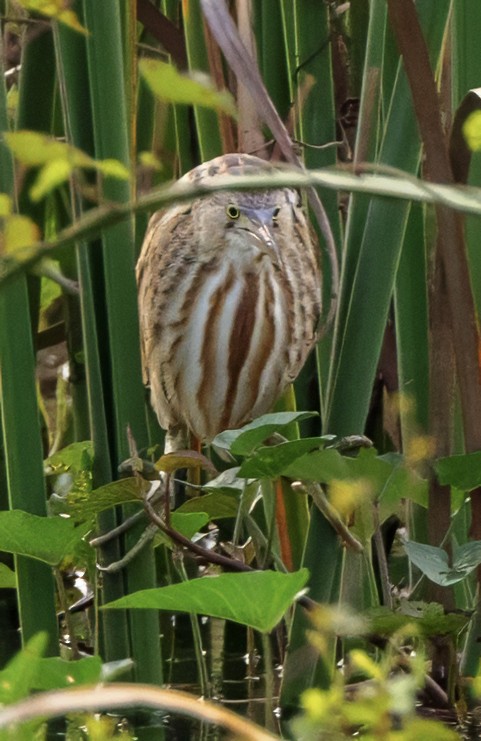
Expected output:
(176, 438)
(177, 441)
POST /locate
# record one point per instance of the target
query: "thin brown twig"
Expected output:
(232, 564)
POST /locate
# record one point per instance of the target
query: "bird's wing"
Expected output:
(158, 249)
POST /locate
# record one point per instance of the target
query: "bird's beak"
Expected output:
(264, 238)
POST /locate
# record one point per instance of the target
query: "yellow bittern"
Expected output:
(229, 302)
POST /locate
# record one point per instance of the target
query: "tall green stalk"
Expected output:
(22, 439)
(311, 76)
(373, 241)
(105, 49)
(78, 128)
(372, 255)
(316, 114)
(207, 122)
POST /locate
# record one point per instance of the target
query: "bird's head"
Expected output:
(250, 224)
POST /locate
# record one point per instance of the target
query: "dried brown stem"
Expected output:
(161, 28)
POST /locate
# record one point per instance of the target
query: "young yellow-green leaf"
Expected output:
(56, 159)
(12, 104)
(50, 291)
(472, 131)
(5, 205)
(51, 175)
(365, 664)
(113, 169)
(57, 9)
(258, 599)
(18, 233)
(148, 159)
(172, 87)
(34, 149)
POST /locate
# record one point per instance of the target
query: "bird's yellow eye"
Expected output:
(275, 214)
(232, 211)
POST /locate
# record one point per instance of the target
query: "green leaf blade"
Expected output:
(460, 471)
(245, 439)
(47, 539)
(272, 460)
(433, 562)
(258, 599)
